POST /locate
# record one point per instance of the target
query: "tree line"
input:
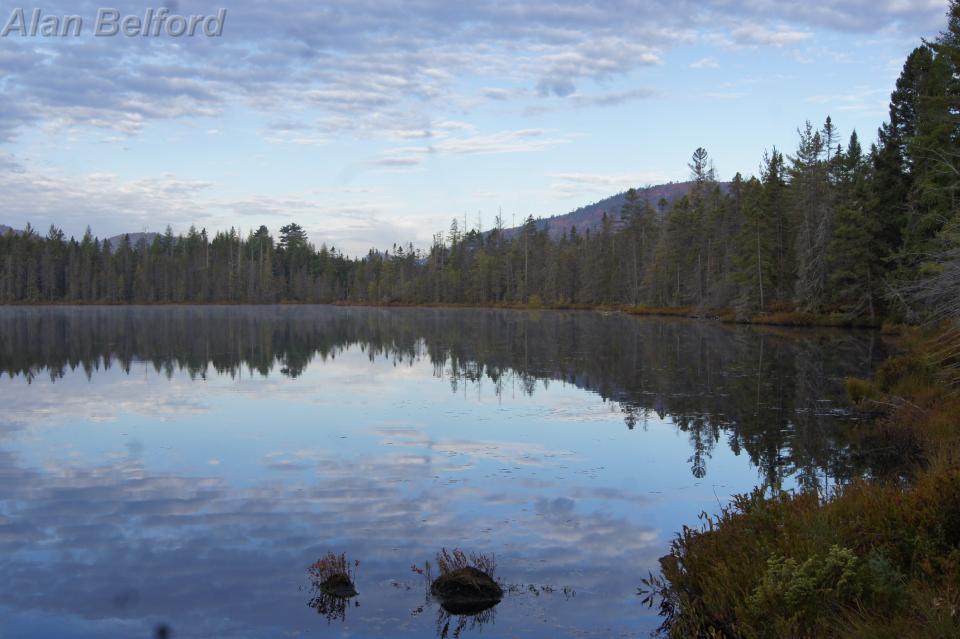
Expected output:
(831, 227)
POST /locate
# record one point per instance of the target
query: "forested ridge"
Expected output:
(830, 227)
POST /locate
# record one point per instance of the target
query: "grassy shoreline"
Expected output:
(878, 558)
(726, 316)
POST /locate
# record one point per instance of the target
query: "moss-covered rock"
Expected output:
(466, 590)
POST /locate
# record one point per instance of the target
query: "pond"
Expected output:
(173, 471)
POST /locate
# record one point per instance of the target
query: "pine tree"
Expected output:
(756, 249)
(855, 252)
(812, 211)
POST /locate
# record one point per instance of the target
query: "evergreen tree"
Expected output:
(856, 253)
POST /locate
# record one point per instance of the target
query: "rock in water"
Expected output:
(466, 589)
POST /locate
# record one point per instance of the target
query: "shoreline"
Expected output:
(794, 319)
(874, 558)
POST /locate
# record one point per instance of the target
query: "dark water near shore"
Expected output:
(183, 466)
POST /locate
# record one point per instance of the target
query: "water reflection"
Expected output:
(330, 606)
(332, 584)
(773, 393)
(453, 623)
(205, 456)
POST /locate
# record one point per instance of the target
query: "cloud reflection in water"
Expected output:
(191, 482)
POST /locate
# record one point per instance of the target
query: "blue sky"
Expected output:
(375, 122)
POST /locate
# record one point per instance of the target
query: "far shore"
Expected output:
(791, 318)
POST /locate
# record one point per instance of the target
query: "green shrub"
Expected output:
(860, 390)
(759, 569)
(906, 375)
(804, 599)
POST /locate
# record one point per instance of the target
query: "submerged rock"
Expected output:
(338, 585)
(466, 591)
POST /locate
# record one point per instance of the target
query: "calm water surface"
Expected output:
(183, 466)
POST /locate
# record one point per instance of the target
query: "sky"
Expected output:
(374, 122)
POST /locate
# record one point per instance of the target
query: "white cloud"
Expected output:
(612, 99)
(705, 63)
(373, 68)
(724, 95)
(568, 185)
(860, 99)
(518, 141)
(351, 221)
(754, 35)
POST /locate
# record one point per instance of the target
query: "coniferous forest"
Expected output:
(836, 225)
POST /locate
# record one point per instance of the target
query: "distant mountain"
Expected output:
(586, 217)
(591, 216)
(135, 238)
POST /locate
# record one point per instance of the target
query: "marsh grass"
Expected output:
(780, 316)
(332, 565)
(334, 575)
(454, 560)
(800, 318)
(466, 583)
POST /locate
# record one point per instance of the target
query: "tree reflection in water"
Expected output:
(775, 394)
(703, 391)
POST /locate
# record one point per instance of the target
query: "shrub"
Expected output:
(759, 569)
(907, 375)
(860, 390)
(802, 599)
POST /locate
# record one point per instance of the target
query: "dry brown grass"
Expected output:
(333, 568)
(466, 581)
(456, 559)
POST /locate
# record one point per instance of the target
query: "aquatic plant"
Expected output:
(334, 575)
(456, 559)
(466, 583)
